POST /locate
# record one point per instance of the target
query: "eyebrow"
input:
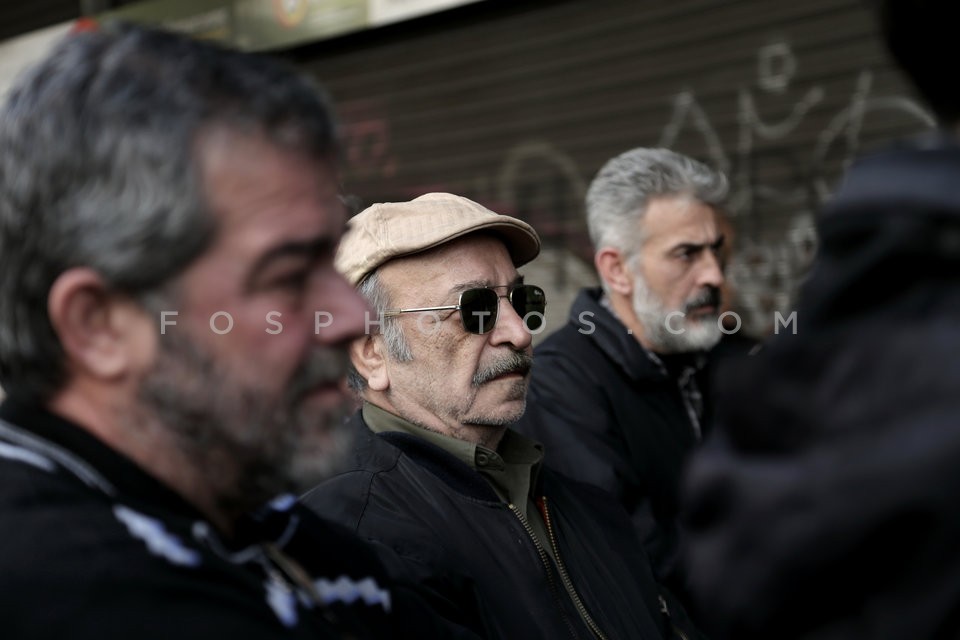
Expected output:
(485, 284)
(310, 250)
(692, 246)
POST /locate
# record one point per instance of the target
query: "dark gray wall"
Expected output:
(21, 16)
(518, 104)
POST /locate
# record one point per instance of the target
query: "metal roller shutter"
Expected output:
(518, 104)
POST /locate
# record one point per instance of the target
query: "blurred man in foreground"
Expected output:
(168, 218)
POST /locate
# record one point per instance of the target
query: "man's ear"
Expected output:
(98, 330)
(367, 356)
(613, 269)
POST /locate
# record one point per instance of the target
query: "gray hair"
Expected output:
(618, 196)
(99, 168)
(373, 291)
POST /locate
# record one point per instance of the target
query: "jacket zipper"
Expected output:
(546, 565)
(566, 577)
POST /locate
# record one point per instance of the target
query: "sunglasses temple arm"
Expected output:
(394, 312)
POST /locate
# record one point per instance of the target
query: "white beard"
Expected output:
(673, 333)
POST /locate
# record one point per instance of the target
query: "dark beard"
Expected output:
(246, 447)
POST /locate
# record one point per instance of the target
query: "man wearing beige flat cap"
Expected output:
(438, 475)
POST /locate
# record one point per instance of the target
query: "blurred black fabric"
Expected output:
(825, 505)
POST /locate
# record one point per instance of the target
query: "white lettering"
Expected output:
(540, 325)
(367, 323)
(275, 323)
(778, 320)
(316, 321)
(725, 330)
(481, 315)
(164, 323)
(591, 327)
(671, 316)
(213, 323)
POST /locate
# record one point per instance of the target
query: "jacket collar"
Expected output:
(452, 471)
(590, 316)
(75, 451)
(57, 445)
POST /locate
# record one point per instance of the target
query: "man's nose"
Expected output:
(510, 328)
(711, 271)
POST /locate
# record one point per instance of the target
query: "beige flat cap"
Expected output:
(389, 230)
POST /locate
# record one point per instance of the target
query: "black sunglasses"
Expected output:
(479, 307)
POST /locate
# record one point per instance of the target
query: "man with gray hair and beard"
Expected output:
(438, 475)
(169, 212)
(617, 394)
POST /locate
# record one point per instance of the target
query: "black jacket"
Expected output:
(93, 547)
(449, 526)
(609, 416)
(827, 505)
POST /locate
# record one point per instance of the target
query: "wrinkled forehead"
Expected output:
(479, 259)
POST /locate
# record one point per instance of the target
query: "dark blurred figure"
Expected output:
(826, 505)
(619, 394)
(169, 213)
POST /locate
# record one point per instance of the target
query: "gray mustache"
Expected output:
(709, 296)
(516, 362)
